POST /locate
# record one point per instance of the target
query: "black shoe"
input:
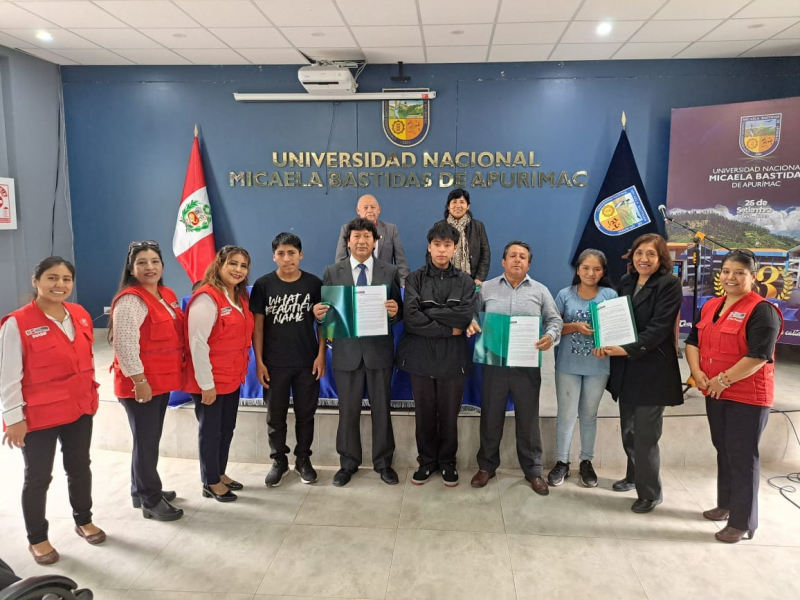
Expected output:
(421, 475)
(450, 475)
(623, 485)
(234, 485)
(588, 476)
(644, 506)
(305, 470)
(168, 496)
(389, 476)
(163, 511)
(228, 496)
(342, 478)
(276, 473)
(558, 473)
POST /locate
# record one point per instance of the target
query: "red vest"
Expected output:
(229, 344)
(58, 383)
(724, 343)
(160, 344)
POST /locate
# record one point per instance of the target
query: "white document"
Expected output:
(615, 324)
(371, 315)
(523, 333)
(8, 207)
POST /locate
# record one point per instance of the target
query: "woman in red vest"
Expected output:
(220, 331)
(731, 353)
(147, 332)
(48, 393)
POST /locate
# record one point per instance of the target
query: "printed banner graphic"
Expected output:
(734, 174)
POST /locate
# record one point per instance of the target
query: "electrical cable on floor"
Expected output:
(791, 477)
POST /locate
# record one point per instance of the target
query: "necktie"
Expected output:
(362, 276)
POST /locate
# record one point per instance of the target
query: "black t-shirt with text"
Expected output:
(290, 338)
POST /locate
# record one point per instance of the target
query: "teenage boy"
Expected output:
(439, 305)
(290, 355)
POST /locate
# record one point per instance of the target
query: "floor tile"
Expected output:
(778, 567)
(450, 564)
(568, 510)
(342, 562)
(708, 570)
(461, 508)
(678, 517)
(239, 552)
(130, 548)
(599, 563)
(160, 595)
(364, 502)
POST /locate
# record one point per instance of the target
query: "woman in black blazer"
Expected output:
(645, 376)
(473, 255)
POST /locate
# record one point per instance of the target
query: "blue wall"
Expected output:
(129, 132)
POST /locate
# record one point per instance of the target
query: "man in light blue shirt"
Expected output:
(515, 294)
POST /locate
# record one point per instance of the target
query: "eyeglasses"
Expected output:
(231, 249)
(744, 251)
(143, 244)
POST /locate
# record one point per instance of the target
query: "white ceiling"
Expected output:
(177, 32)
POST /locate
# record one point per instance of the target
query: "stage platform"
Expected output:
(685, 440)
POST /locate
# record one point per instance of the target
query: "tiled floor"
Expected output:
(370, 540)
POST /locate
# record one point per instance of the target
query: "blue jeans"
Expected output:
(577, 396)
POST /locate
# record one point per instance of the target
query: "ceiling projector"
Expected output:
(327, 79)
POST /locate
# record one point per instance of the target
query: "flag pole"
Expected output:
(624, 120)
(195, 128)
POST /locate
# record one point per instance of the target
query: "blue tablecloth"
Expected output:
(252, 394)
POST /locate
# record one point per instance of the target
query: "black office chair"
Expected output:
(43, 587)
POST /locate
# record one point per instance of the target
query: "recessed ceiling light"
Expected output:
(44, 36)
(457, 32)
(318, 34)
(755, 26)
(179, 35)
(603, 28)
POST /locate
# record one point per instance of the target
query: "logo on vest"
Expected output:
(38, 331)
(175, 304)
(224, 312)
(737, 316)
(84, 322)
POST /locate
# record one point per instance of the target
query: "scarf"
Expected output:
(461, 257)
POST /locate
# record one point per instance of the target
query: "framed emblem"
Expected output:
(406, 122)
(759, 135)
(621, 213)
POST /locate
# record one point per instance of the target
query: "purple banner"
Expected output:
(734, 175)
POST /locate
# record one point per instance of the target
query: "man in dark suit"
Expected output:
(388, 246)
(369, 360)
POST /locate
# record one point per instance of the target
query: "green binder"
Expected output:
(340, 320)
(595, 324)
(491, 345)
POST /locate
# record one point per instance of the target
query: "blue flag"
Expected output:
(621, 212)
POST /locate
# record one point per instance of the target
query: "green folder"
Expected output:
(595, 324)
(340, 320)
(491, 345)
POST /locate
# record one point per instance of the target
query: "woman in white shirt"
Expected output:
(220, 331)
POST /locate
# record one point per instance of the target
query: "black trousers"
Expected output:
(39, 453)
(303, 386)
(350, 386)
(641, 430)
(523, 384)
(147, 423)
(436, 406)
(215, 433)
(736, 430)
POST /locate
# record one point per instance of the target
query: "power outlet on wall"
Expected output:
(106, 310)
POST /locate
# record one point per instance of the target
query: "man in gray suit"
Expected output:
(369, 360)
(388, 246)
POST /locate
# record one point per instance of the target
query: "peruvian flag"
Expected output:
(193, 243)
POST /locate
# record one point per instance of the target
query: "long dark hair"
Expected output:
(127, 279)
(49, 263)
(604, 280)
(212, 278)
(664, 258)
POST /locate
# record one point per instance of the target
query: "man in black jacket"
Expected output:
(438, 308)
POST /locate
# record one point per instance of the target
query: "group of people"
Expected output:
(48, 389)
